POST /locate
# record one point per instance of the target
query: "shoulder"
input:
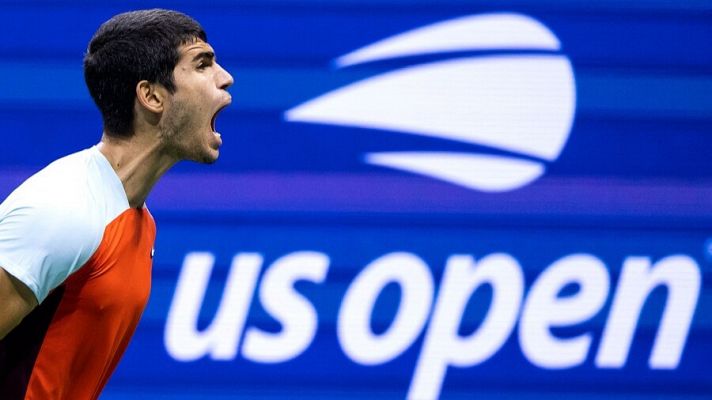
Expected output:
(79, 189)
(53, 223)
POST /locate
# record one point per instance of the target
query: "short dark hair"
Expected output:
(129, 48)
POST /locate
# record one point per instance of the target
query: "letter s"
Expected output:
(286, 305)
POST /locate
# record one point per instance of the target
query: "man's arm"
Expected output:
(16, 301)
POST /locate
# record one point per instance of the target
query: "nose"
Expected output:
(224, 78)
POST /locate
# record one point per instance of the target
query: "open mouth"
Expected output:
(215, 117)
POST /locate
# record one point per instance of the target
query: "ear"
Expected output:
(151, 96)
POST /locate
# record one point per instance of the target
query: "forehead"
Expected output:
(189, 50)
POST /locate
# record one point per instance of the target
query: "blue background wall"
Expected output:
(634, 179)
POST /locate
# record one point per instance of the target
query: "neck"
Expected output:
(138, 161)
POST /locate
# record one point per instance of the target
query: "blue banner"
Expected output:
(452, 199)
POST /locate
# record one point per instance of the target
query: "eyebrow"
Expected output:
(209, 55)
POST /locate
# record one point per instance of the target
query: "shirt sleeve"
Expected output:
(43, 244)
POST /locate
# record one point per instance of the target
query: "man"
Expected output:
(76, 239)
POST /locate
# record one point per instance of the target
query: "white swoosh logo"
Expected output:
(473, 32)
(517, 103)
(502, 174)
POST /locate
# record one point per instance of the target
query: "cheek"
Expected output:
(175, 120)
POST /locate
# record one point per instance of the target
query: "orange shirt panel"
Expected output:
(99, 311)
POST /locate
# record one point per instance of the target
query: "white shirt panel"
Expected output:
(53, 223)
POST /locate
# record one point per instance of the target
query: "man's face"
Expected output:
(189, 117)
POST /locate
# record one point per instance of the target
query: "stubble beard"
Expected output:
(177, 131)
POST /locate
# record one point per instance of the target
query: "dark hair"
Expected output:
(129, 48)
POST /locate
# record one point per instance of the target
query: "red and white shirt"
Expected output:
(69, 234)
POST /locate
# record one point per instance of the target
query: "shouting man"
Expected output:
(76, 239)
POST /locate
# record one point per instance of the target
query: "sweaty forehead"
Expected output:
(194, 48)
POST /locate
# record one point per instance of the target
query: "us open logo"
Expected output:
(512, 94)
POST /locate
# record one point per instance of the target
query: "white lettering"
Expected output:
(221, 338)
(354, 329)
(681, 275)
(543, 309)
(284, 303)
(443, 346)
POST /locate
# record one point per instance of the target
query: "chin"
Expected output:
(210, 157)
(207, 157)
